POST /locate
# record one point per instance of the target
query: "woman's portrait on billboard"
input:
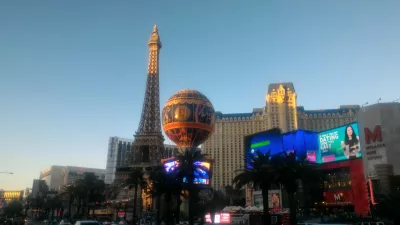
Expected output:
(351, 143)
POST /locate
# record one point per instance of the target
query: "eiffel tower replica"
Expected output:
(148, 146)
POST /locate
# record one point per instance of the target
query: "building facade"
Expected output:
(118, 149)
(9, 196)
(379, 126)
(226, 145)
(39, 188)
(58, 176)
(118, 154)
(345, 186)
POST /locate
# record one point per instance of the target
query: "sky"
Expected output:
(73, 73)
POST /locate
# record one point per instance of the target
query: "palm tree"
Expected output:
(259, 173)
(71, 192)
(136, 180)
(187, 167)
(89, 187)
(38, 204)
(51, 204)
(234, 196)
(111, 191)
(163, 185)
(13, 209)
(28, 203)
(290, 170)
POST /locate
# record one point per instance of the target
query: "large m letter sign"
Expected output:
(375, 136)
(337, 197)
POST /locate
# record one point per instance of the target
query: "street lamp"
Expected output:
(6, 172)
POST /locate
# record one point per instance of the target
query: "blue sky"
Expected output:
(72, 73)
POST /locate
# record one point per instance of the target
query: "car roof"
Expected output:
(87, 221)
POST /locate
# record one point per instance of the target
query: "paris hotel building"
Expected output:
(226, 145)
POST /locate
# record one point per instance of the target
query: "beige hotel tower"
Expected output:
(226, 145)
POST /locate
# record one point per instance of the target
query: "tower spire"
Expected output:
(154, 49)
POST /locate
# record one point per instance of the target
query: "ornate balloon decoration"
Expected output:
(188, 119)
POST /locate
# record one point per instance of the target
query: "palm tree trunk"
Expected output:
(178, 208)
(69, 209)
(266, 216)
(167, 211)
(135, 201)
(158, 210)
(292, 209)
(191, 207)
(212, 216)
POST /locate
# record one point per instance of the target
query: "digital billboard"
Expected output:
(300, 141)
(263, 142)
(201, 174)
(340, 143)
(303, 142)
(266, 141)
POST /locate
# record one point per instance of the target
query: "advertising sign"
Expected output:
(201, 174)
(274, 199)
(375, 149)
(339, 144)
(266, 142)
(343, 197)
(303, 142)
(219, 218)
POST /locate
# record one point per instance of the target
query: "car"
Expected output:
(30, 222)
(65, 222)
(87, 222)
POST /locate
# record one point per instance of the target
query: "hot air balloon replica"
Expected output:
(188, 119)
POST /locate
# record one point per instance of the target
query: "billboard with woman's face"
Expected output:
(338, 144)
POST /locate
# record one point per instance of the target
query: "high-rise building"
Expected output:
(39, 188)
(119, 151)
(58, 176)
(27, 192)
(226, 145)
(281, 110)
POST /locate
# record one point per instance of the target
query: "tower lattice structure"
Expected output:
(148, 146)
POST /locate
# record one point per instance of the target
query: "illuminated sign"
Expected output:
(11, 195)
(219, 218)
(201, 173)
(340, 143)
(302, 142)
(344, 197)
(337, 197)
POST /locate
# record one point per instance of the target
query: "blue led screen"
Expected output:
(303, 142)
(266, 141)
(300, 141)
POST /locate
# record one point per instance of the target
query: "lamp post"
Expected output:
(6, 172)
